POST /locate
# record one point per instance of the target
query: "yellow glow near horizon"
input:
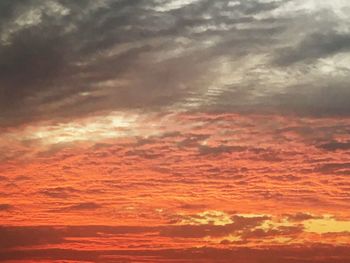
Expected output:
(218, 218)
(326, 225)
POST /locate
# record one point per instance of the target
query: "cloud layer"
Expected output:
(174, 130)
(65, 59)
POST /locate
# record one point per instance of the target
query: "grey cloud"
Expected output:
(319, 97)
(80, 57)
(221, 149)
(334, 168)
(335, 146)
(323, 98)
(40, 69)
(47, 65)
(314, 46)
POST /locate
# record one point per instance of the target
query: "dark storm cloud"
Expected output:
(72, 58)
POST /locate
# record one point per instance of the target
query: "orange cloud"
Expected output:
(186, 181)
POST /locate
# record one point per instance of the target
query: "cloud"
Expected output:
(211, 229)
(280, 232)
(59, 192)
(314, 46)
(335, 146)
(323, 98)
(48, 242)
(217, 150)
(317, 254)
(28, 236)
(169, 115)
(334, 168)
(5, 207)
(3, 178)
(61, 60)
(299, 217)
(82, 206)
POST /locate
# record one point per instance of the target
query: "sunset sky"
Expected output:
(175, 131)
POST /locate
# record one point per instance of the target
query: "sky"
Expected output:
(175, 131)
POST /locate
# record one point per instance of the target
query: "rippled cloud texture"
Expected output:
(175, 131)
